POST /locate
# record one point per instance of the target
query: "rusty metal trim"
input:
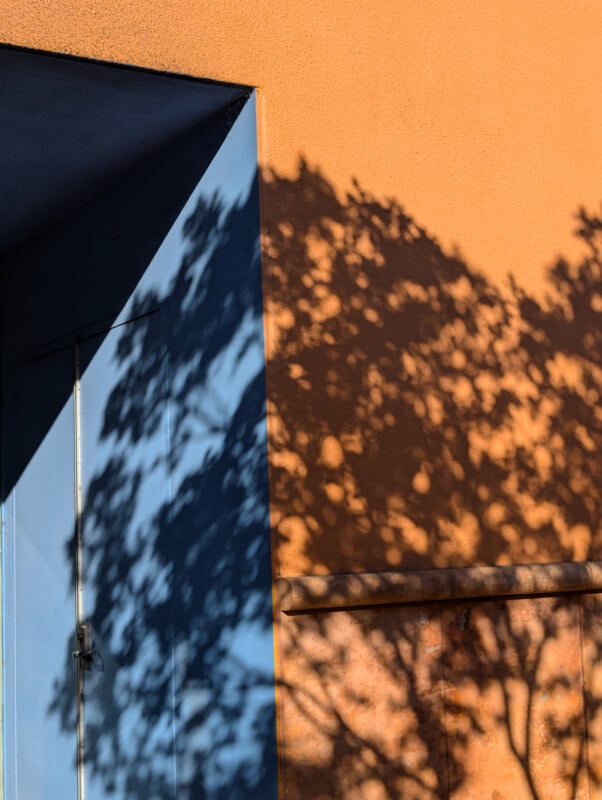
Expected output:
(316, 592)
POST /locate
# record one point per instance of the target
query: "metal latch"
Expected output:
(86, 652)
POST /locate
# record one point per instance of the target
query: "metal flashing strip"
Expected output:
(79, 597)
(322, 592)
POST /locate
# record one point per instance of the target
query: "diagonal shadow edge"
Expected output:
(98, 255)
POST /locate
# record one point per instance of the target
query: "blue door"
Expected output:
(137, 602)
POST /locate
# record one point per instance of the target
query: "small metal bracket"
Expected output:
(86, 651)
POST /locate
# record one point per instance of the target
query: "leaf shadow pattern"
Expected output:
(418, 416)
(176, 548)
(421, 416)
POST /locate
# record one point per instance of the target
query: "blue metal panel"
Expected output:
(219, 513)
(176, 546)
(125, 485)
(176, 533)
(39, 596)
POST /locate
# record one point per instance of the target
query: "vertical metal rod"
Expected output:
(79, 598)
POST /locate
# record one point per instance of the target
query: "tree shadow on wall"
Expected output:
(463, 700)
(176, 550)
(418, 416)
(421, 416)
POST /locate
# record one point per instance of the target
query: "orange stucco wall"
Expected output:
(419, 414)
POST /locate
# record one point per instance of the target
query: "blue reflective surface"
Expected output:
(39, 596)
(177, 580)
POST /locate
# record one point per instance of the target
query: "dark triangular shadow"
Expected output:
(97, 162)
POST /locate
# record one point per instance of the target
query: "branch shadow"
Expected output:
(418, 416)
(177, 583)
(421, 416)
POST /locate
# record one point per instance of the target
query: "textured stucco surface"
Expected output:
(482, 118)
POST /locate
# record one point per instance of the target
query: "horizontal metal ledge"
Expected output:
(316, 592)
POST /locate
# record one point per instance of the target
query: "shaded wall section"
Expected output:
(157, 280)
(86, 200)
